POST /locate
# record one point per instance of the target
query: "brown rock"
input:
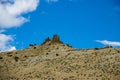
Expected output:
(56, 39)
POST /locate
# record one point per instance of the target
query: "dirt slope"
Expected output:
(54, 60)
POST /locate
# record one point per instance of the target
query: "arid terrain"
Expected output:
(54, 60)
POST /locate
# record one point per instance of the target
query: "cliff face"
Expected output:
(54, 60)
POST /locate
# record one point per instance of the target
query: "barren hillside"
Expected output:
(54, 60)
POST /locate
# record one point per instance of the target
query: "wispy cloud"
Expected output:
(11, 12)
(51, 1)
(111, 43)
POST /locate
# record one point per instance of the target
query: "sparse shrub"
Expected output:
(65, 79)
(57, 54)
(31, 45)
(16, 58)
(72, 77)
(47, 48)
(107, 47)
(49, 44)
(51, 78)
(68, 45)
(57, 48)
(63, 45)
(117, 51)
(46, 53)
(69, 53)
(35, 44)
(9, 53)
(25, 56)
(49, 51)
(1, 57)
(35, 47)
(96, 48)
(110, 46)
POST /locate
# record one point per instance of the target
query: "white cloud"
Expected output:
(12, 48)
(49, 1)
(11, 15)
(111, 43)
(5, 43)
(11, 12)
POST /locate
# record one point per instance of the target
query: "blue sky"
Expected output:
(78, 22)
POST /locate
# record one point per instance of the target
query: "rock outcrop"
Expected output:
(56, 39)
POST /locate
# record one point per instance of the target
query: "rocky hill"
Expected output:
(54, 60)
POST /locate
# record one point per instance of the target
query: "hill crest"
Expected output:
(54, 60)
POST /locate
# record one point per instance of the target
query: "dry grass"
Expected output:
(60, 62)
